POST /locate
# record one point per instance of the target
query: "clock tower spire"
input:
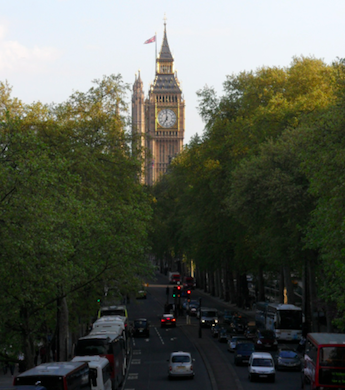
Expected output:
(164, 116)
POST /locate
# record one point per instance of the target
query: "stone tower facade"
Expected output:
(158, 122)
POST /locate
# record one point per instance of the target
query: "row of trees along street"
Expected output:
(73, 216)
(262, 191)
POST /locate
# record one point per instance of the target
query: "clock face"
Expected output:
(166, 118)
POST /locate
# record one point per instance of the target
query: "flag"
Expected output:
(153, 39)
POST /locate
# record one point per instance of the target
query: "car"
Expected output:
(141, 294)
(243, 352)
(215, 328)
(250, 330)
(208, 316)
(228, 316)
(141, 327)
(288, 359)
(261, 366)
(168, 320)
(180, 365)
(193, 307)
(223, 334)
(265, 340)
(232, 342)
(238, 324)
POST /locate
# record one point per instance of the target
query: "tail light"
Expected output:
(173, 320)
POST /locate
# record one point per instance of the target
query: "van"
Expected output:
(100, 371)
(261, 366)
(57, 376)
(208, 316)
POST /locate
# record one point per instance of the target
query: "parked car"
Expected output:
(261, 366)
(180, 365)
(141, 327)
(243, 352)
(288, 359)
(168, 320)
(232, 342)
(265, 340)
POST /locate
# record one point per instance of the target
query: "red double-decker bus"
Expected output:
(324, 361)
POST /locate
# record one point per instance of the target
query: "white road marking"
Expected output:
(160, 337)
(137, 352)
(136, 361)
(132, 376)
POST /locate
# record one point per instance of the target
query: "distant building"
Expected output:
(158, 122)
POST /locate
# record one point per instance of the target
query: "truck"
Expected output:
(174, 277)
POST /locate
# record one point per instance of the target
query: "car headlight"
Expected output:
(202, 320)
(215, 321)
(259, 342)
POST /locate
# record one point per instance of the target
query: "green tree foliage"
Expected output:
(73, 216)
(241, 189)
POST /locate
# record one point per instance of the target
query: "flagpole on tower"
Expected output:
(156, 52)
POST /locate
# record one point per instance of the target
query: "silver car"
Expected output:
(180, 365)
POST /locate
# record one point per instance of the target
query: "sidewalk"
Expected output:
(7, 379)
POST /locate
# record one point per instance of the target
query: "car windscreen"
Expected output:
(209, 314)
(288, 354)
(245, 347)
(262, 362)
(93, 347)
(180, 359)
(140, 324)
(265, 334)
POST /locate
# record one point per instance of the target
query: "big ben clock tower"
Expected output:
(159, 120)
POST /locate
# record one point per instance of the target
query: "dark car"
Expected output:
(238, 324)
(168, 320)
(224, 333)
(265, 340)
(288, 359)
(215, 329)
(228, 316)
(141, 327)
(242, 352)
(250, 331)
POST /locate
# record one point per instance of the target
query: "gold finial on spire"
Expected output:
(165, 19)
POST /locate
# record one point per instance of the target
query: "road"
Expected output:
(214, 365)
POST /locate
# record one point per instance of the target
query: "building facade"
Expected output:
(158, 121)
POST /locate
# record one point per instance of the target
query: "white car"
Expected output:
(180, 365)
(261, 366)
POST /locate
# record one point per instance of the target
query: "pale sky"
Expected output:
(51, 48)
